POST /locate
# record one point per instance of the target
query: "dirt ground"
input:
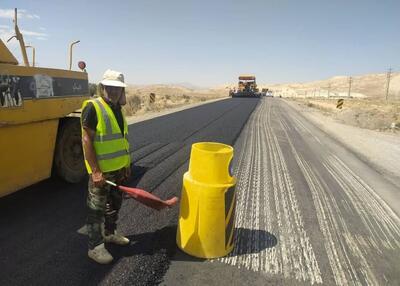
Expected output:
(373, 114)
(165, 97)
(362, 86)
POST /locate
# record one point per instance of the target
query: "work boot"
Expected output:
(116, 238)
(100, 254)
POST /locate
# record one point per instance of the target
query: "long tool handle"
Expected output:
(111, 183)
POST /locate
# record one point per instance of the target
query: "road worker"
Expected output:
(106, 150)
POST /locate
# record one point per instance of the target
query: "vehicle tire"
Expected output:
(68, 156)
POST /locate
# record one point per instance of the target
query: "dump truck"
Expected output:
(247, 87)
(40, 132)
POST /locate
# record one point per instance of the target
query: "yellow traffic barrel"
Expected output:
(208, 200)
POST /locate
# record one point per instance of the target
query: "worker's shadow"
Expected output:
(137, 174)
(247, 241)
(148, 243)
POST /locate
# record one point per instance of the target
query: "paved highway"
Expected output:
(308, 210)
(39, 243)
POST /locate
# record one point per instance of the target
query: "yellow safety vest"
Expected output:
(112, 149)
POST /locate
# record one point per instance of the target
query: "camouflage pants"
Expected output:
(103, 207)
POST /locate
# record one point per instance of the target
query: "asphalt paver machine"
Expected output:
(247, 87)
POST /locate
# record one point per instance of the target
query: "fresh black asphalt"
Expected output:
(39, 243)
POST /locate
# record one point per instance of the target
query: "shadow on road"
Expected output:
(247, 241)
(147, 243)
(137, 173)
(252, 241)
(39, 231)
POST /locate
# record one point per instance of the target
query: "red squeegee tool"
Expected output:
(146, 198)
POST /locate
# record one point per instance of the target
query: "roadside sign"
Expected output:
(152, 97)
(339, 104)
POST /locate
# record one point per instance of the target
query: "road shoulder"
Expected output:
(381, 150)
(154, 114)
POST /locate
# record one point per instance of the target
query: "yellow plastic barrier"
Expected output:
(207, 210)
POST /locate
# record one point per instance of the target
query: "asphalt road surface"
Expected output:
(308, 210)
(39, 243)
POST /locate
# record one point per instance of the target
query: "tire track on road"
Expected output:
(375, 213)
(172, 154)
(299, 251)
(326, 219)
(351, 252)
(293, 257)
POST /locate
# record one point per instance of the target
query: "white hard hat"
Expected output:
(113, 78)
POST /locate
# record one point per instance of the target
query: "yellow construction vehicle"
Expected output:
(39, 126)
(247, 87)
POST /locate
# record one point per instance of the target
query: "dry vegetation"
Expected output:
(369, 113)
(166, 96)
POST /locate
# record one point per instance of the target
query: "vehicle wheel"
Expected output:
(68, 156)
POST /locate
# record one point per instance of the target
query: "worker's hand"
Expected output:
(98, 179)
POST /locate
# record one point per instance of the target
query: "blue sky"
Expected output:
(208, 43)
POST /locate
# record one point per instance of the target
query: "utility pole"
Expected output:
(388, 76)
(350, 82)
